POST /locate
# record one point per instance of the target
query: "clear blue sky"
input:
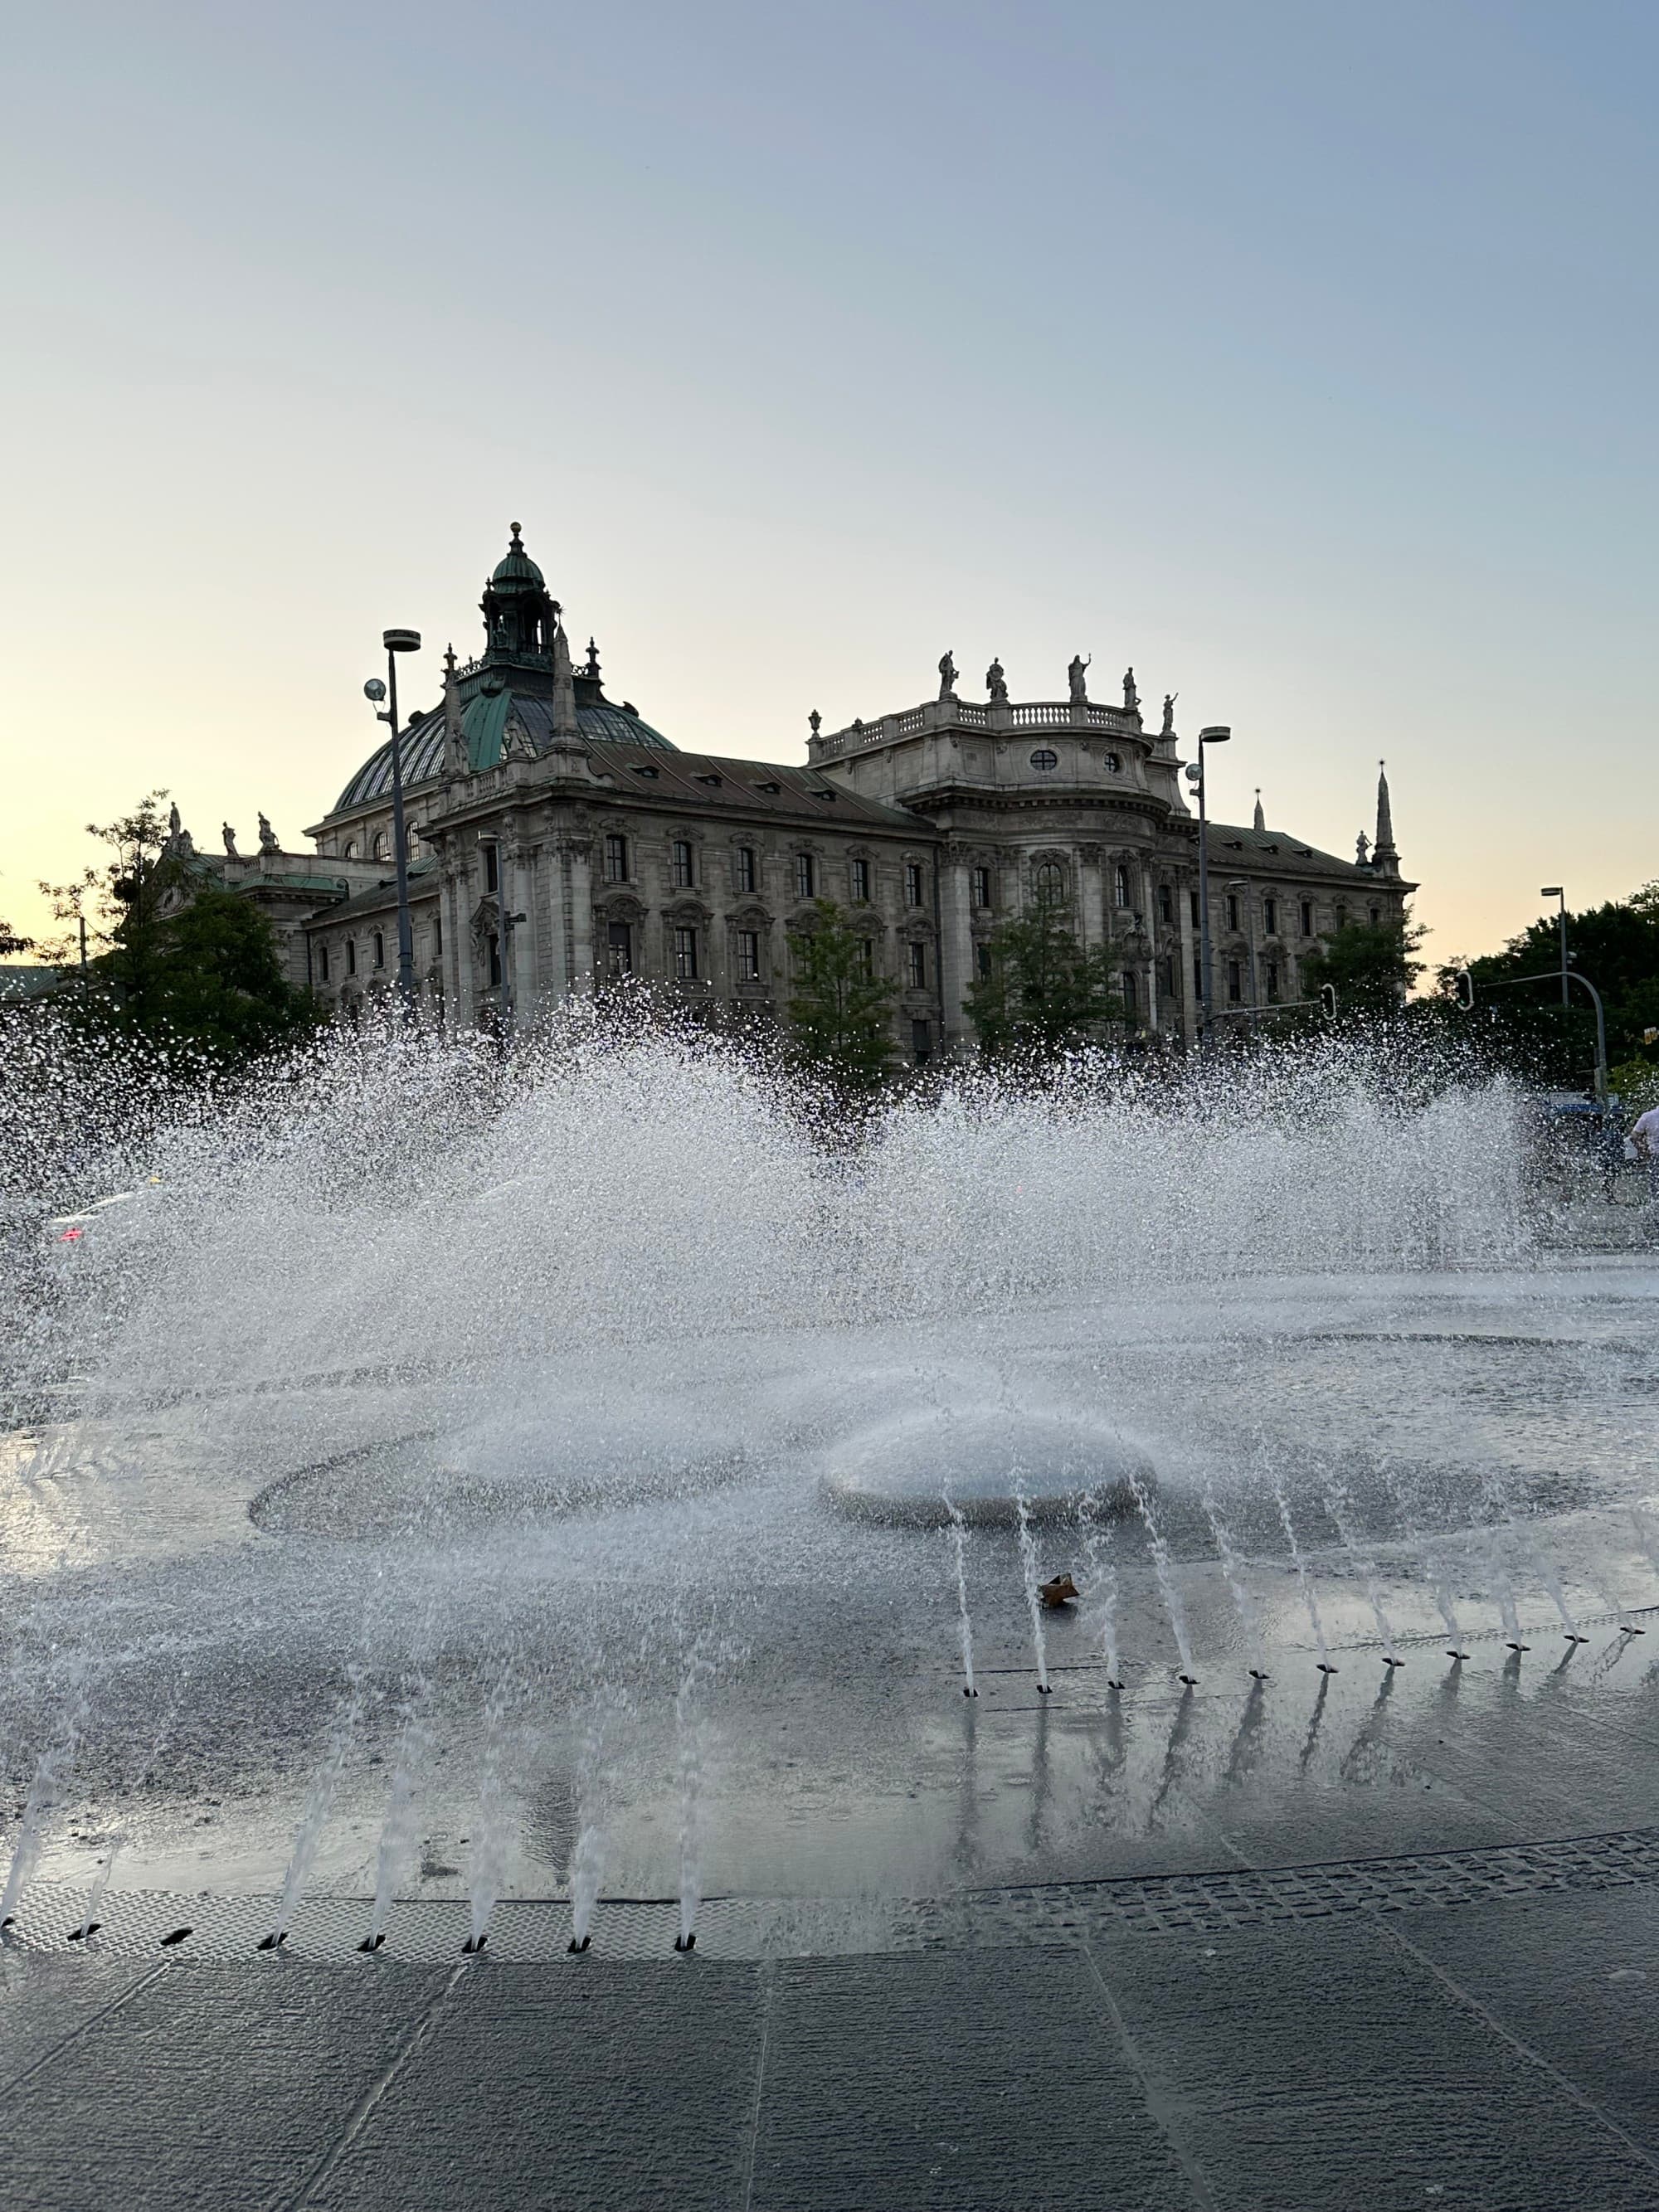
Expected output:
(1303, 355)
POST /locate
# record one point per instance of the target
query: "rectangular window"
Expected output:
(685, 873)
(860, 882)
(1166, 974)
(380, 949)
(982, 960)
(749, 956)
(616, 859)
(1235, 982)
(868, 957)
(1198, 976)
(619, 948)
(492, 867)
(1272, 982)
(1307, 917)
(1166, 903)
(1120, 886)
(922, 1041)
(918, 960)
(746, 875)
(1232, 909)
(980, 894)
(1270, 916)
(806, 876)
(685, 955)
(351, 956)
(496, 958)
(1192, 900)
(1130, 990)
(913, 883)
(322, 962)
(437, 933)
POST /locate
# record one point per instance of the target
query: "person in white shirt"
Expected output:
(1644, 1135)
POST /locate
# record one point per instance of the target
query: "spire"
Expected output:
(1384, 856)
(564, 687)
(1260, 818)
(455, 754)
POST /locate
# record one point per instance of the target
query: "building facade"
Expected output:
(557, 842)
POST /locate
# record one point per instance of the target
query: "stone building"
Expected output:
(557, 841)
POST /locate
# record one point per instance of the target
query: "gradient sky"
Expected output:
(1301, 352)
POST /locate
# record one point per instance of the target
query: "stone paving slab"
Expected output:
(960, 2081)
(1574, 1979)
(1326, 2067)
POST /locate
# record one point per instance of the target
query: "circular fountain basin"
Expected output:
(909, 1471)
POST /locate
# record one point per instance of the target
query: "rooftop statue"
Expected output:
(1169, 698)
(230, 842)
(1075, 678)
(267, 836)
(996, 683)
(1131, 697)
(1362, 851)
(947, 677)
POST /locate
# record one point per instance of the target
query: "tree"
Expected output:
(1045, 995)
(10, 941)
(840, 1012)
(1524, 1024)
(1370, 965)
(203, 972)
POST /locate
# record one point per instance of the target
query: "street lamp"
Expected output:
(1217, 734)
(1556, 891)
(397, 641)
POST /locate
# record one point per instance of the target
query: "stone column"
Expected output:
(1149, 910)
(1091, 896)
(466, 992)
(578, 853)
(956, 948)
(1187, 955)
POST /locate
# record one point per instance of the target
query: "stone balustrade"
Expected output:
(966, 714)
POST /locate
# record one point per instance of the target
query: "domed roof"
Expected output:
(515, 571)
(483, 726)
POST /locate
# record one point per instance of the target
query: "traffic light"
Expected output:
(1465, 983)
(1328, 1000)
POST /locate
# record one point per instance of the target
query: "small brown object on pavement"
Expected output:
(1060, 1591)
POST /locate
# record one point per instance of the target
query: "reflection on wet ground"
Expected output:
(1471, 1451)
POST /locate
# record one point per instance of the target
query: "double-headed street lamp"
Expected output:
(1217, 734)
(397, 641)
(1557, 891)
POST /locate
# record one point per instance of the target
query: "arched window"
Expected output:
(380, 949)
(379, 853)
(349, 850)
(1121, 885)
(411, 841)
(322, 962)
(1049, 885)
(1131, 990)
(351, 956)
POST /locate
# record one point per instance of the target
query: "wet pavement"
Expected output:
(1492, 2055)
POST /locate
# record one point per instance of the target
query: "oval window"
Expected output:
(1045, 757)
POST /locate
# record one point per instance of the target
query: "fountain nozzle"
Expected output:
(473, 1944)
(1450, 1654)
(686, 1942)
(1191, 1680)
(967, 1693)
(1512, 1645)
(86, 1928)
(1629, 1628)
(371, 1942)
(274, 1941)
(1573, 1636)
(1113, 1682)
(1325, 1666)
(1389, 1660)
(578, 1944)
(1258, 1674)
(1045, 1689)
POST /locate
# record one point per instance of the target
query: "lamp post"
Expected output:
(397, 641)
(1217, 734)
(1557, 891)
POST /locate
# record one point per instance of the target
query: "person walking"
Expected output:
(1644, 1135)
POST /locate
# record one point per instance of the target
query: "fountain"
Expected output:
(699, 1413)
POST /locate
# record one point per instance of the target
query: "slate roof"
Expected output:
(715, 783)
(1259, 849)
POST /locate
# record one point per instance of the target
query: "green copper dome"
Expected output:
(515, 571)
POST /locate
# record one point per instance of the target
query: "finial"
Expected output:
(449, 661)
(515, 527)
(1260, 818)
(814, 718)
(592, 668)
